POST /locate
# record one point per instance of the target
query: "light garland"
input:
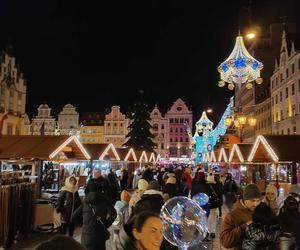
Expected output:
(143, 155)
(131, 152)
(152, 157)
(112, 147)
(262, 139)
(65, 143)
(236, 149)
(240, 67)
(222, 154)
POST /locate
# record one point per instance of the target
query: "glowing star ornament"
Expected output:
(240, 67)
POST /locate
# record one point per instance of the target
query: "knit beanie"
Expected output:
(153, 185)
(142, 184)
(125, 196)
(251, 191)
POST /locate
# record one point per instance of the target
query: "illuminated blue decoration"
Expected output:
(205, 137)
(240, 67)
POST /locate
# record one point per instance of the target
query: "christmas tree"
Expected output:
(140, 136)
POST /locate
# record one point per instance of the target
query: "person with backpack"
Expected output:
(230, 188)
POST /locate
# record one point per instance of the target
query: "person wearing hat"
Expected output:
(236, 221)
(141, 188)
(295, 191)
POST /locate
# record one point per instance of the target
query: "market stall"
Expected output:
(276, 159)
(238, 162)
(31, 164)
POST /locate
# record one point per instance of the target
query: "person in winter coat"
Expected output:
(114, 183)
(124, 178)
(151, 200)
(289, 218)
(146, 232)
(171, 188)
(199, 185)
(68, 202)
(236, 221)
(122, 209)
(142, 187)
(99, 184)
(60, 242)
(264, 231)
(271, 198)
(230, 189)
(97, 214)
(136, 177)
(220, 191)
(188, 177)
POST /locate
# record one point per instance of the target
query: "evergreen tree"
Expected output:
(140, 136)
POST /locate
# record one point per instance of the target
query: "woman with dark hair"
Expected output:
(146, 232)
(264, 231)
(97, 214)
(289, 218)
(68, 202)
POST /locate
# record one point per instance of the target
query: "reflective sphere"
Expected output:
(185, 222)
(201, 199)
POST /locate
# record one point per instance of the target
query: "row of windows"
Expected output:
(279, 98)
(115, 124)
(288, 131)
(176, 130)
(179, 139)
(264, 124)
(177, 120)
(289, 113)
(263, 109)
(287, 71)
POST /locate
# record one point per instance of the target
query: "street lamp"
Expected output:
(240, 122)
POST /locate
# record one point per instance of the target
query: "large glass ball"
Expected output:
(185, 222)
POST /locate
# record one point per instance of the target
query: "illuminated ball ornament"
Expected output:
(184, 222)
(201, 199)
(240, 67)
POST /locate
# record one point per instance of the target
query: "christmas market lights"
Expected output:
(240, 67)
(236, 149)
(105, 152)
(131, 152)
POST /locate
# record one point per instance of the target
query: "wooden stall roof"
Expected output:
(240, 152)
(103, 151)
(127, 154)
(40, 147)
(276, 148)
(141, 156)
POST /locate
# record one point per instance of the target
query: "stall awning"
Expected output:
(240, 152)
(43, 147)
(275, 148)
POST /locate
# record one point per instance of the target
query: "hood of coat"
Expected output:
(69, 186)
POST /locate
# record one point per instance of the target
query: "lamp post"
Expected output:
(240, 122)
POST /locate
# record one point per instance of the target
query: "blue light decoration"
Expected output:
(205, 137)
(240, 67)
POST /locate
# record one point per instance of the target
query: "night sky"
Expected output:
(95, 54)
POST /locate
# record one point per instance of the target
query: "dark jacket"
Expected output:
(290, 224)
(151, 200)
(200, 187)
(259, 236)
(67, 203)
(171, 190)
(92, 232)
(113, 181)
(99, 185)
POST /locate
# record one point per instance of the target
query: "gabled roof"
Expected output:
(41, 147)
(152, 157)
(126, 154)
(276, 148)
(212, 157)
(223, 155)
(95, 150)
(240, 152)
(141, 156)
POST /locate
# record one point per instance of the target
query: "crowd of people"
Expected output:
(131, 212)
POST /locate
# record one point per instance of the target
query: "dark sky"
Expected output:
(95, 54)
